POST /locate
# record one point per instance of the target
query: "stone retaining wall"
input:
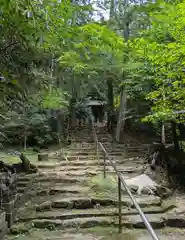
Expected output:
(10, 200)
(3, 225)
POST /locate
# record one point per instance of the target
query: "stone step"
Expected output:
(96, 233)
(86, 140)
(111, 145)
(87, 213)
(22, 183)
(125, 146)
(157, 221)
(20, 189)
(89, 172)
(86, 160)
(24, 178)
(121, 168)
(78, 158)
(47, 165)
(59, 178)
(58, 189)
(27, 177)
(108, 149)
(89, 162)
(85, 133)
(84, 202)
(93, 154)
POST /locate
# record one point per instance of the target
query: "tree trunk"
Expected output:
(72, 109)
(174, 135)
(163, 137)
(25, 143)
(110, 104)
(112, 9)
(123, 103)
(181, 128)
(122, 113)
(61, 126)
(72, 112)
(110, 96)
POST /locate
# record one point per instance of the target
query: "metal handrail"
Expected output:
(142, 215)
(122, 181)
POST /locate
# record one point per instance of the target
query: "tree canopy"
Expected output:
(53, 51)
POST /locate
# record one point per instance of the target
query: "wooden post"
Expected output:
(119, 205)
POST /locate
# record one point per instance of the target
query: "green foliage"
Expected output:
(52, 51)
(54, 99)
(161, 49)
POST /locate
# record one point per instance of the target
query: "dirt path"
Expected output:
(71, 199)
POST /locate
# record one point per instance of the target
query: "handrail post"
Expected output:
(119, 205)
(104, 165)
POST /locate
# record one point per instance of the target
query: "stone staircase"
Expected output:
(71, 200)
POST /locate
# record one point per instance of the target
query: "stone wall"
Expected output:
(11, 199)
(8, 193)
(3, 225)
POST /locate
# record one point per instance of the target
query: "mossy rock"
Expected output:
(20, 228)
(44, 206)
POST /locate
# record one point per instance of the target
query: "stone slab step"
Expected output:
(125, 146)
(77, 155)
(22, 183)
(157, 221)
(111, 145)
(98, 233)
(87, 213)
(121, 168)
(89, 162)
(86, 158)
(74, 189)
(84, 202)
(91, 148)
(94, 172)
(59, 178)
(85, 139)
(61, 170)
(92, 152)
(73, 174)
(80, 175)
(47, 165)
(21, 189)
(27, 177)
